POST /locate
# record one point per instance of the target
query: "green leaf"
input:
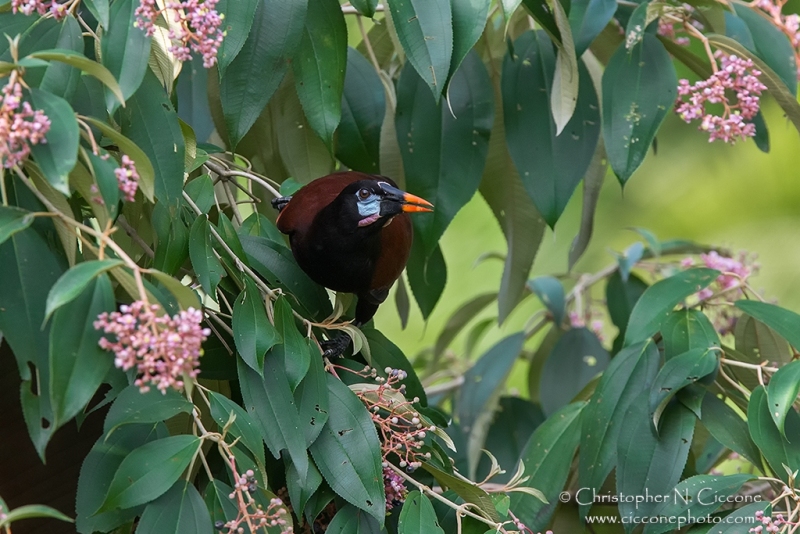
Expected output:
(58, 155)
(418, 515)
(649, 464)
(74, 281)
(132, 406)
(143, 165)
(347, 452)
(621, 297)
(31, 511)
(659, 299)
(575, 360)
(301, 489)
(727, 427)
(426, 277)
(79, 61)
(243, 425)
(297, 357)
(785, 322)
(542, 13)
(239, 15)
(58, 78)
(150, 121)
(96, 474)
(365, 7)
(207, 266)
(126, 50)
(677, 373)
(782, 392)
(319, 67)
(685, 330)
(180, 510)
(102, 168)
(219, 505)
(469, 19)
(550, 165)
(779, 451)
(13, 220)
(172, 240)
(631, 372)
(351, 520)
(771, 45)
(547, 458)
(468, 491)
(201, 189)
(588, 18)
(444, 156)
(734, 522)
(695, 498)
(257, 70)
(592, 184)
(363, 109)
(551, 292)
(425, 30)
(564, 95)
(758, 342)
(184, 295)
(77, 364)
(462, 316)
(100, 9)
(270, 402)
(639, 88)
(149, 471)
(253, 333)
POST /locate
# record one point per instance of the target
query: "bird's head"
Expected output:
(372, 200)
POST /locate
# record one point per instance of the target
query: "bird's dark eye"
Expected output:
(364, 194)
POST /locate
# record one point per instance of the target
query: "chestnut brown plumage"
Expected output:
(351, 232)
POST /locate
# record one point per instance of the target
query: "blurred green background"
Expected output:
(735, 197)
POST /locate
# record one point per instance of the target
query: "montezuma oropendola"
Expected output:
(351, 232)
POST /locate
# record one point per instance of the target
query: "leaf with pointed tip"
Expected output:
(587, 19)
(783, 321)
(592, 184)
(253, 333)
(469, 19)
(30, 511)
(418, 515)
(206, 265)
(126, 50)
(180, 510)
(13, 220)
(779, 451)
(677, 373)
(243, 426)
(74, 281)
(782, 392)
(79, 61)
(685, 330)
(57, 156)
(564, 95)
(727, 427)
(551, 292)
(239, 15)
(132, 406)
(426, 277)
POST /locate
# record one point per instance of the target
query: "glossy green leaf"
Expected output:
(444, 156)
(191, 93)
(648, 463)
(172, 240)
(201, 189)
(542, 13)
(239, 15)
(630, 372)
(363, 109)
(242, 427)
(77, 364)
(79, 61)
(58, 155)
(141, 160)
(551, 292)
(639, 88)
(126, 50)
(782, 392)
(185, 297)
(301, 489)
(783, 321)
(365, 7)
(777, 449)
(575, 360)
(758, 342)
(588, 18)
(351, 520)
(149, 471)
(659, 299)
(101, 11)
(418, 515)
(700, 495)
(133, 406)
(621, 297)
(468, 491)
(103, 167)
(253, 333)
(219, 505)
(57, 78)
(547, 458)
(150, 121)
(425, 30)
(13, 220)
(462, 316)
(74, 281)
(270, 402)
(469, 19)
(685, 330)
(180, 510)
(347, 452)
(257, 70)
(295, 349)
(319, 67)
(677, 373)
(727, 427)
(207, 266)
(550, 165)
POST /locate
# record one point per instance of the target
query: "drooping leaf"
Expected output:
(13, 220)
(469, 19)
(311, 396)
(79, 61)
(180, 510)
(778, 449)
(100, 9)
(297, 357)
(58, 155)
(426, 277)
(351, 520)
(242, 427)
(782, 392)
(132, 406)
(727, 427)
(758, 342)
(549, 165)
(30, 511)
(74, 281)
(564, 94)
(551, 292)
(301, 489)
(685, 330)
(207, 266)
(621, 297)
(239, 15)
(588, 18)
(677, 373)
(418, 515)
(365, 7)
(639, 88)
(126, 50)
(192, 95)
(592, 184)
(783, 321)
(425, 30)
(253, 332)
(319, 67)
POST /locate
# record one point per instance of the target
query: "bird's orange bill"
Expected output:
(413, 203)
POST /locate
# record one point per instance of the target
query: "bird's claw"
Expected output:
(334, 348)
(280, 202)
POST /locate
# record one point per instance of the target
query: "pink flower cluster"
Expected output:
(163, 349)
(394, 487)
(736, 75)
(57, 10)
(251, 514)
(127, 178)
(767, 523)
(666, 28)
(20, 125)
(788, 24)
(198, 27)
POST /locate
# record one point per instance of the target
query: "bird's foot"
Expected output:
(280, 202)
(335, 347)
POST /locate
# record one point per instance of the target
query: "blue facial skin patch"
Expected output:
(369, 206)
